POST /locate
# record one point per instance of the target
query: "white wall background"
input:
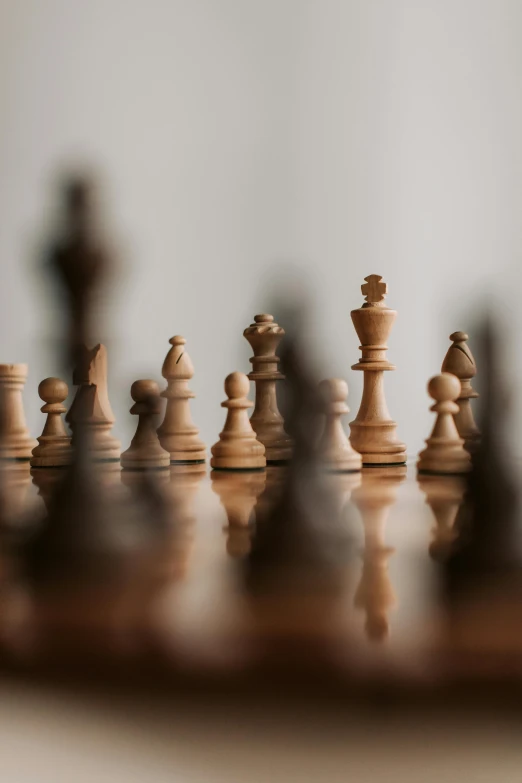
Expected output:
(345, 136)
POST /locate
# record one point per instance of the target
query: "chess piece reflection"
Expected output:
(459, 361)
(47, 481)
(15, 480)
(264, 335)
(238, 493)
(16, 443)
(375, 593)
(373, 432)
(444, 495)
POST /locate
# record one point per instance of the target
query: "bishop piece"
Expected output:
(178, 435)
(460, 362)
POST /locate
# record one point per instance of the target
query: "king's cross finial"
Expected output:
(374, 291)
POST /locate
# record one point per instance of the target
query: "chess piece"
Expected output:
(238, 493)
(16, 443)
(91, 405)
(145, 451)
(237, 447)
(54, 449)
(444, 452)
(444, 495)
(373, 433)
(334, 447)
(177, 434)
(374, 593)
(460, 362)
(487, 551)
(264, 336)
(79, 261)
(301, 544)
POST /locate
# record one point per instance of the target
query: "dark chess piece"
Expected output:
(486, 552)
(79, 261)
(300, 544)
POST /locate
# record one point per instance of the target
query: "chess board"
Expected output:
(179, 619)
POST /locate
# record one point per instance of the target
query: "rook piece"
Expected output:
(373, 432)
(334, 447)
(237, 447)
(54, 449)
(177, 434)
(91, 405)
(460, 362)
(145, 450)
(16, 443)
(444, 452)
(264, 336)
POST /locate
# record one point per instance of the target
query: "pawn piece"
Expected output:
(54, 449)
(177, 434)
(460, 362)
(444, 452)
(91, 407)
(264, 335)
(16, 442)
(145, 451)
(334, 447)
(237, 447)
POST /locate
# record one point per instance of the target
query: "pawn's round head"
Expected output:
(459, 337)
(53, 390)
(144, 390)
(444, 387)
(236, 385)
(334, 389)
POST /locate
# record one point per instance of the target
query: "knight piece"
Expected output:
(460, 362)
(264, 336)
(91, 406)
(16, 443)
(373, 432)
(178, 435)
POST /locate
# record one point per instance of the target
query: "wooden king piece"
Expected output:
(373, 432)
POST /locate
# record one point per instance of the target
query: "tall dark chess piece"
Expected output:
(80, 262)
(300, 544)
(487, 548)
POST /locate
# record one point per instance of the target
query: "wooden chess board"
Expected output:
(179, 618)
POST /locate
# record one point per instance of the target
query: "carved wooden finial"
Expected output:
(374, 291)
